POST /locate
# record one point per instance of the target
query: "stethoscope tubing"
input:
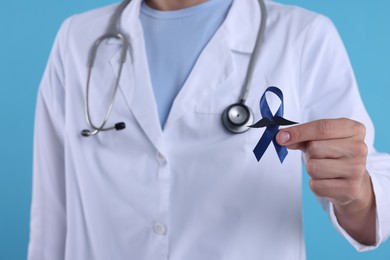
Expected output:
(113, 32)
(91, 62)
(255, 54)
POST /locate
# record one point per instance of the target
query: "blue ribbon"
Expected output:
(272, 122)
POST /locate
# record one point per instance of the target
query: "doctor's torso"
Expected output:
(191, 190)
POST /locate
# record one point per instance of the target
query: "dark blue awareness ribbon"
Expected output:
(272, 124)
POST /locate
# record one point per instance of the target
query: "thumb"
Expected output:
(283, 137)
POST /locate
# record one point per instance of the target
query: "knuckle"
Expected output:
(358, 169)
(325, 128)
(310, 168)
(360, 149)
(359, 129)
(312, 147)
(314, 186)
(295, 133)
(317, 187)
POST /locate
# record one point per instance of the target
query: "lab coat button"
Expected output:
(159, 229)
(161, 158)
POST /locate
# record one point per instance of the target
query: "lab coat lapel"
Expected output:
(135, 87)
(135, 83)
(216, 64)
(236, 34)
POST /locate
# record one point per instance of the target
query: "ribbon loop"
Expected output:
(272, 123)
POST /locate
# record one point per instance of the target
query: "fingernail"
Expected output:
(284, 137)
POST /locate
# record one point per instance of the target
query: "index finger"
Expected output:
(324, 129)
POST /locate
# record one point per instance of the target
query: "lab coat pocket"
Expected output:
(210, 111)
(214, 105)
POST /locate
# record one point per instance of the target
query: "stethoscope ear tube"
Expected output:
(91, 61)
(112, 32)
(88, 133)
(117, 126)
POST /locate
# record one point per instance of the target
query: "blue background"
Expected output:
(27, 30)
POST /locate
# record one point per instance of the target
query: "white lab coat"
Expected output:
(192, 190)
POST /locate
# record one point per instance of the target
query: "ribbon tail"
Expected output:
(264, 142)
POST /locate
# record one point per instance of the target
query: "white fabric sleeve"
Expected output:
(330, 91)
(48, 209)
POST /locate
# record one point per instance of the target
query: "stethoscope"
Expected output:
(236, 118)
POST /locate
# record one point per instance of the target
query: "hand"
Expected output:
(336, 162)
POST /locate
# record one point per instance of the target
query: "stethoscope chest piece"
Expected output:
(237, 117)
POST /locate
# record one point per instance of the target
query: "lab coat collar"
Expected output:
(242, 24)
(237, 33)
